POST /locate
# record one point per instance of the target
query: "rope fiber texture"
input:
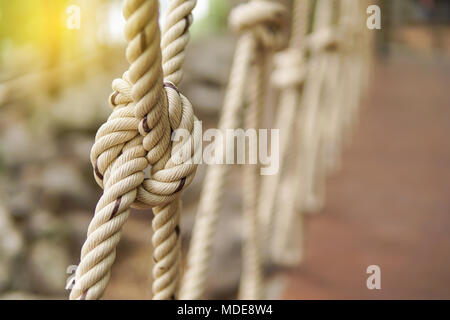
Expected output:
(147, 109)
(328, 93)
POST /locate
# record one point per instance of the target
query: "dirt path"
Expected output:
(389, 205)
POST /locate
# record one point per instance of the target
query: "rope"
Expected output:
(322, 44)
(258, 22)
(289, 77)
(306, 179)
(251, 282)
(315, 115)
(332, 89)
(146, 110)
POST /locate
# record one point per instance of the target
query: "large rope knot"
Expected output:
(264, 19)
(172, 171)
(143, 155)
(289, 68)
(119, 130)
(325, 39)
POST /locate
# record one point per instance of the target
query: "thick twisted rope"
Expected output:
(255, 20)
(137, 134)
(251, 281)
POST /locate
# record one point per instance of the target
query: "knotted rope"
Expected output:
(322, 44)
(288, 77)
(329, 92)
(146, 111)
(280, 192)
(259, 23)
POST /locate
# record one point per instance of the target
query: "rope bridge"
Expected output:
(321, 72)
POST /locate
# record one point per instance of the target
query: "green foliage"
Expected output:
(215, 21)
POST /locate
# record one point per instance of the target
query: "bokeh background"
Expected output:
(388, 205)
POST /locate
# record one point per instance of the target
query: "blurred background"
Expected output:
(388, 205)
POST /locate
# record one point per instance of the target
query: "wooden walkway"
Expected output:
(389, 205)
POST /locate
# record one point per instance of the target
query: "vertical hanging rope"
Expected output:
(322, 43)
(175, 37)
(345, 84)
(166, 223)
(286, 187)
(251, 282)
(330, 94)
(146, 111)
(257, 21)
(287, 239)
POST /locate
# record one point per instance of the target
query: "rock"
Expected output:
(20, 295)
(19, 145)
(79, 147)
(43, 223)
(4, 276)
(83, 106)
(210, 59)
(206, 73)
(21, 202)
(226, 259)
(57, 181)
(48, 264)
(79, 222)
(11, 245)
(206, 99)
(11, 241)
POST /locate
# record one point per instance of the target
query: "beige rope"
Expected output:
(256, 20)
(332, 90)
(353, 26)
(306, 179)
(251, 282)
(346, 83)
(288, 76)
(285, 188)
(322, 44)
(137, 134)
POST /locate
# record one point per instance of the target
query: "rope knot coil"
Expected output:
(289, 68)
(171, 172)
(264, 19)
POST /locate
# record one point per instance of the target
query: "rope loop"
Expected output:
(143, 155)
(265, 19)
